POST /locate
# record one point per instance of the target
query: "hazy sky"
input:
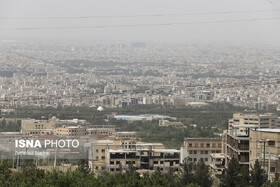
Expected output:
(254, 32)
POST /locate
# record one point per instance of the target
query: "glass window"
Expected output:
(271, 143)
(208, 145)
(213, 145)
(206, 159)
(194, 152)
(190, 145)
(202, 145)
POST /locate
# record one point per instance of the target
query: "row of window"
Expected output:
(195, 159)
(118, 162)
(102, 150)
(103, 157)
(203, 152)
(207, 145)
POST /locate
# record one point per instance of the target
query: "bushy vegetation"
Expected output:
(191, 175)
(11, 126)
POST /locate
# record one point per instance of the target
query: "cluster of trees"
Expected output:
(238, 176)
(191, 175)
(11, 126)
(171, 137)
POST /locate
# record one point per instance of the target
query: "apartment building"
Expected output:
(200, 148)
(237, 143)
(109, 154)
(167, 123)
(37, 131)
(70, 131)
(38, 124)
(270, 138)
(267, 120)
(142, 157)
(237, 137)
(102, 131)
(217, 164)
(126, 135)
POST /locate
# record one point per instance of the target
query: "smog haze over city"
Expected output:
(180, 21)
(140, 93)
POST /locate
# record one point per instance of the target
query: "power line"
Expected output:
(139, 25)
(140, 15)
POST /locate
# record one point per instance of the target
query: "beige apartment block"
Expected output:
(167, 123)
(102, 131)
(267, 120)
(200, 148)
(38, 124)
(37, 132)
(142, 158)
(217, 164)
(97, 154)
(270, 138)
(126, 136)
(71, 131)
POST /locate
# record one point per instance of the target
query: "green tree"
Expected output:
(231, 177)
(202, 174)
(258, 176)
(186, 173)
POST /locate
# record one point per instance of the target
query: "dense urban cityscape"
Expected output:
(118, 89)
(118, 75)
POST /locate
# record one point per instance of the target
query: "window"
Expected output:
(194, 159)
(219, 145)
(161, 162)
(112, 162)
(206, 152)
(103, 150)
(272, 169)
(190, 145)
(271, 143)
(190, 159)
(155, 162)
(97, 150)
(213, 145)
(190, 152)
(201, 152)
(196, 145)
(117, 162)
(202, 145)
(208, 145)
(96, 157)
(194, 152)
(103, 157)
(206, 159)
